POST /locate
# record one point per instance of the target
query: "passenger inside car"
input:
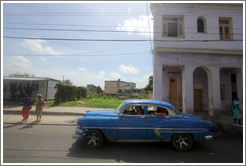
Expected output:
(161, 111)
(139, 110)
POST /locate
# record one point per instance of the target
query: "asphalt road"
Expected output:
(30, 143)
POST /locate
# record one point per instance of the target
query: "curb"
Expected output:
(15, 112)
(41, 124)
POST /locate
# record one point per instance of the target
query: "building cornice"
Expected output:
(198, 51)
(203, 5)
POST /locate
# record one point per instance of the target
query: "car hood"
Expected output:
(101, 113)
(189, 116)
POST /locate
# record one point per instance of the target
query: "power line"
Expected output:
(77, 30)
(111, 40)
(106, 31)
(106, 14)
(114, 48)
(100, 26)
(67, 25)
(63, 55)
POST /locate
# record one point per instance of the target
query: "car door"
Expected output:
(159, 127)
(131, 128)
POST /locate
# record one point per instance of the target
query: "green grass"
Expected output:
(112, 103)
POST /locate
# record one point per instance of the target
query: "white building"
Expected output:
(15, 87)
(198, 55)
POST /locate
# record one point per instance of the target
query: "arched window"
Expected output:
(201, 25)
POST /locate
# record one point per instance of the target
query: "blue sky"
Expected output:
(83, 62)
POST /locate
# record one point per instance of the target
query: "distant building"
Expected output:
(68, 82)
(120, 88)
(15, 87)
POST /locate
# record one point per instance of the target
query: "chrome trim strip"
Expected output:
(161, 130)
(158, 135)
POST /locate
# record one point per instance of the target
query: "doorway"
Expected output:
(198, 100)
(174, 92)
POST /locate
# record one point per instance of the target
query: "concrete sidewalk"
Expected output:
(51, 115)
(54, 110)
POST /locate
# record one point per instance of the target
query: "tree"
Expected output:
(99, 89)
(149, 87)
(94, 89)
(26, 75)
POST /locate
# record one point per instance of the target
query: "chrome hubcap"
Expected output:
(182, 142)
(93, 139)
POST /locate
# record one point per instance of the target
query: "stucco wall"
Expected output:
(51, 89)
(191, 15)
(111, 87)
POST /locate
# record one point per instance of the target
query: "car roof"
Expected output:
(147, 102)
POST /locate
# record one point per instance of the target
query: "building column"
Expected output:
(187, 89)
(215, 95)
(157, 80)
(239, 78)
(165, 86)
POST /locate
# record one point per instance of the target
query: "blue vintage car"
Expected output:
(142, 121)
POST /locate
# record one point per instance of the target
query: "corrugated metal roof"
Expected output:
(29, 78)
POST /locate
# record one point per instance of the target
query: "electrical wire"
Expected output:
(107, 31)
(62, 55)
(81, 25)
(111, 40)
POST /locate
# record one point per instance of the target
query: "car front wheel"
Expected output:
(182, 142)
(93, 139)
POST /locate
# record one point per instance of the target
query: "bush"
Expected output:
(68, 93)
(81, 92)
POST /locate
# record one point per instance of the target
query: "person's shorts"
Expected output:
(237, 114)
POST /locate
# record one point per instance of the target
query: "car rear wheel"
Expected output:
(93, 139)
(182, 142)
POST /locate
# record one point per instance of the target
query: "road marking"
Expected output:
(206, 154)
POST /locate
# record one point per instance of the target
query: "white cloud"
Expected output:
(115, 75)
(20, 62)
(140, 24)
(102, 73)
(128, 69)
(38, 46)
(82, 69)
(142, 81)
(43, 59)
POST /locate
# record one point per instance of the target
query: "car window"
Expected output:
(133, 110)
(177, 112)
(158, 111)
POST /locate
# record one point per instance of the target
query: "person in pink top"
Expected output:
(27, 106)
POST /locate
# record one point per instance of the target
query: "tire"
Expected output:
(93, 139)
(182, 142)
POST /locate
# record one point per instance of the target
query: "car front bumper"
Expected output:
(78, 133)
(208, 137)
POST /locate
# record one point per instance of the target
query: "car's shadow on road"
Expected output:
(155, 152)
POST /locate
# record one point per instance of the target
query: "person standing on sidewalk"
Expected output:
(27, 106)
(237, 112)
(39, 107)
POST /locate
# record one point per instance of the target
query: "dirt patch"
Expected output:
(80, 102)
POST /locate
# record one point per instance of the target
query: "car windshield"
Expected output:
(118, 110)
(177, 112)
